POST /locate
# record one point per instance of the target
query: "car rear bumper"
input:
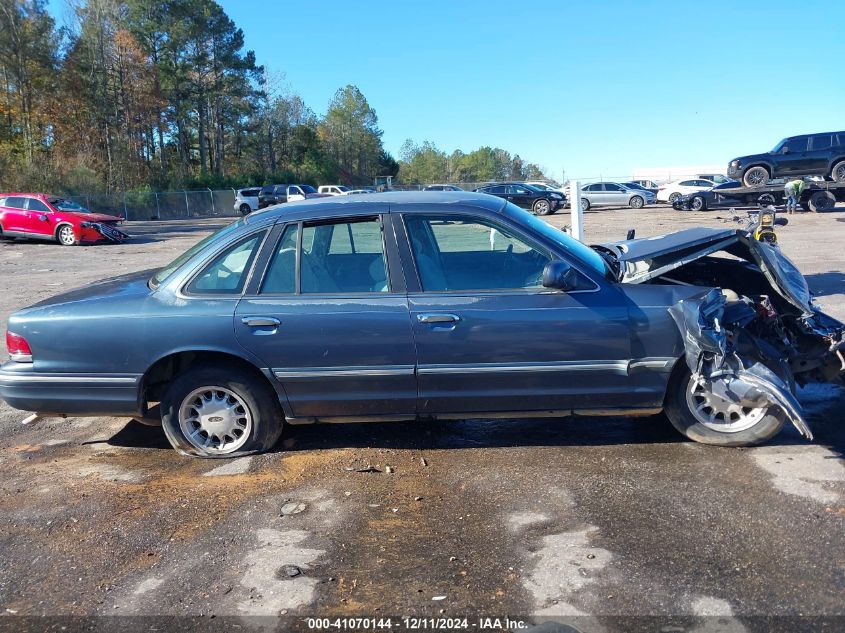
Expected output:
(72, 394)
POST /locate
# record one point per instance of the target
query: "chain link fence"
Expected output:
(165, 205)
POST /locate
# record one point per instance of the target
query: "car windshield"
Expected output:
(578, 250)
(779, 146)
(168, 270)
(68, 205)
(308, 189)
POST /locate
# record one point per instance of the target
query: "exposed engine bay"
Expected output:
(753, 332)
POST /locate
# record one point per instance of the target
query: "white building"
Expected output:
(668, 174)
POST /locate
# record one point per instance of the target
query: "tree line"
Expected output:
(161, 94)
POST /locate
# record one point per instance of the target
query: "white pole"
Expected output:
(577, 230)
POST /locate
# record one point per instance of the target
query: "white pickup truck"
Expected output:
(334, 190)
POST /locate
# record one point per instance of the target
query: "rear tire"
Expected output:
(245, 209)
(585, 204)
(673, 197)
(756, 176)
(748, 427)
(636, 202)
(767, 199)
(215, 412)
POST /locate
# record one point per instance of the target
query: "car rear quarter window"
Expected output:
(226, 274)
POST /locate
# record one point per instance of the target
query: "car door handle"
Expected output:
(438, 318)
(254, 321)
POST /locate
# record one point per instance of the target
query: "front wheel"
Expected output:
(705, 417)
(585, 204)
(697, 203)
(542, 207)
(245, 209)
(755, 177)
(215, 412)
(837, 174)
(65, 235)
(637, 202)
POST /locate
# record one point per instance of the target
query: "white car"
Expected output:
(246, 200)
(674, 190)
(544, 186)
(334, 190)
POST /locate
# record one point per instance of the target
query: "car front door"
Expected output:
(491, 338)
(294, 193)
(795, 159)
(39, 217)
(522, 197)
(615, 195)
(330, 318)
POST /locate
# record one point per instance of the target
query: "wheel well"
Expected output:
(60, 225)
(763, 165)
(158, 376)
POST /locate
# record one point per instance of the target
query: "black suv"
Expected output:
(272, 194)
(807, 155)
(525, 196)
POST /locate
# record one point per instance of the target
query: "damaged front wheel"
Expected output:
(708, 418)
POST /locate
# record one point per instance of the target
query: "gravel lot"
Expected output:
(587, 518)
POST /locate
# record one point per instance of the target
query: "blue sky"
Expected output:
(595, 88)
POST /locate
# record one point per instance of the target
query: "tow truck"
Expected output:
(818, 195)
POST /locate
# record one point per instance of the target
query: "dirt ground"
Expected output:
(601, 522)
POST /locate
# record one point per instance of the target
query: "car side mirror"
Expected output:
(784, 150)
(42, 217)
(560, 275)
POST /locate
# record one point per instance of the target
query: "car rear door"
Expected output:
(14, 215)
(329, 317)
(615, 195)
(491, 339)
(818, 153)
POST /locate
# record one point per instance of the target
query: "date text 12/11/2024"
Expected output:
(417, 624)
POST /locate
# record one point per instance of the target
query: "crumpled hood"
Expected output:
(93, 217)
(643, 259)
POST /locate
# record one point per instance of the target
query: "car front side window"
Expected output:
(454, 253)
(226, 274)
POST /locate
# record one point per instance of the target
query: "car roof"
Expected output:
(24, 193)
(378, 203)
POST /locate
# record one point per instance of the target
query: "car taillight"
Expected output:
(18, 348)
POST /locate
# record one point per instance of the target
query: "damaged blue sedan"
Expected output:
(404, 306)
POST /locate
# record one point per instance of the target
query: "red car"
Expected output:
(43, 217)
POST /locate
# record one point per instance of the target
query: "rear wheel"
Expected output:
(697, 203)
(215, 412)
(673, 197)
(542, 207)
(705, 417)
(821, 201)
(245, 209)
(755, 176)
(767, 199)
(65, 235)
(637, 202)
(585, 204)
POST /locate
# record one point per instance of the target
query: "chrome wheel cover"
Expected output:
(215, 420)
(697, 203)
(719, 414)
(541, 207)
(637, 202)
